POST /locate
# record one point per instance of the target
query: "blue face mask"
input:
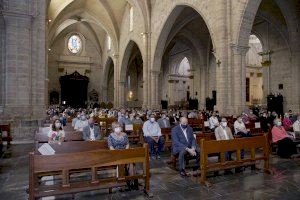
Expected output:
(184, 126)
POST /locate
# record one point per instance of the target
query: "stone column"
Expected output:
(23, 66)
(146, 66)
(154, 90)
(116, 80)
(105, 94)
(121, 94)
(239, 78)
(171, 92)
(266, 84)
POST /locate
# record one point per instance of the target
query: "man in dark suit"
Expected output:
(91, 132)
(183, 141)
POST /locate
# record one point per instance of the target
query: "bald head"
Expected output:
(183, 120)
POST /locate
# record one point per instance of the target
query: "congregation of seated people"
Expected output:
(283, 131)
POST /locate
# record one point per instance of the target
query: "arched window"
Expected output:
(74, 44)
(131, 19)
(108, 42)
(253, 58)
(184, 67)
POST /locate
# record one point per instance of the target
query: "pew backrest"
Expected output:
(75, 146)
(93, 161)
(42, 137)
(235, 145)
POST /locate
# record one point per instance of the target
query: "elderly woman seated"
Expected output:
(286, 146)
(118, 140)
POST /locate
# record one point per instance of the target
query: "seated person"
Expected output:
(286, 146)
(56, 133)
(183, 141)
(264, 122)
(91, 132)
(75, 120)
(240, 128)
(118, 140)
(213, 122)
(152, 135)
(131, 118)
(252, 116)
(138, 120)
(164, 121)
(296, 126)
(223, 132)
(83, 122)
(245, 118)
(193, 115)
(123, 118)
(286, 122)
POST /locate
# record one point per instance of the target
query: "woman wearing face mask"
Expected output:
(286, 146)
(56, 134)
(118, 140)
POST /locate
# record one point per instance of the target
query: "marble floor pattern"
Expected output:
(167, 184)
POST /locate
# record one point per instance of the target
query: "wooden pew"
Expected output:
(6, 133)
(195, 123)
(223, 146)
(42, 137)
(75, 146)
(167, 134)
(199, 137)
(68, 128)
(91, 160)
(134, 135)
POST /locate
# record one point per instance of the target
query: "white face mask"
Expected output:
(152, 119)
(224, 124)
(279, 123)
(57, 125)
(118, 130)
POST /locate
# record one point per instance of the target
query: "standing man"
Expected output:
(183, 141)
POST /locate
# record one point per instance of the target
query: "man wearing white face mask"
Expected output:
(75, 120)
(152, 135)
(81, 123)
(240, 128)
(223, 132)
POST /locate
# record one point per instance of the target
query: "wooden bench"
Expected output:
(134, 135)
(93, 161)
(42, 137)
(199, 136)
(236, 145)
(75, 146)
(105, 124)
(6, 133)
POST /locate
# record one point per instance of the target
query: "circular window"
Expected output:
(74, 44)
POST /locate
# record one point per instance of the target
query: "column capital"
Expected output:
(146, 34)
(115, 56)
(239, 50)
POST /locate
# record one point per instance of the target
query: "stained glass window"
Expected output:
(74, 44)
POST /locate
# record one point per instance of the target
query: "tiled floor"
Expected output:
(167, 184)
